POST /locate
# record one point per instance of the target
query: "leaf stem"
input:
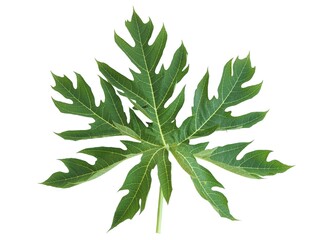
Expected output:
(159, 214)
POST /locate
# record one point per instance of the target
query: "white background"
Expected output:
(37, 37)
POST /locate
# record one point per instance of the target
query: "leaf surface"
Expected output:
(83, 104)
(253, 164)
(202, 178)
(148, 90)
(209, 115)
(80, 171)
(155, 138)
(138, 183)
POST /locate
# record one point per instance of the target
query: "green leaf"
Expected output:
(253, 164)
(151, 90)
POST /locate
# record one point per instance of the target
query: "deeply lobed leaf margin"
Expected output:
(149, 91)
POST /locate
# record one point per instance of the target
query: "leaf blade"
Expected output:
(252, 165)
(211, 113)
(80, 171)
(83, 104)
(203, 180)
(164, 173)
(150, 92)
(138, 183)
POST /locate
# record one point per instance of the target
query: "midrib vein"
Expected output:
(197, 178)
(92, 172)
(139, 185)
(220, 106)
(151, 86)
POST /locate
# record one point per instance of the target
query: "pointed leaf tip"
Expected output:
(135, 16)
(52, 74)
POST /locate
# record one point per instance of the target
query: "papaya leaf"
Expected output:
(150, 90)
